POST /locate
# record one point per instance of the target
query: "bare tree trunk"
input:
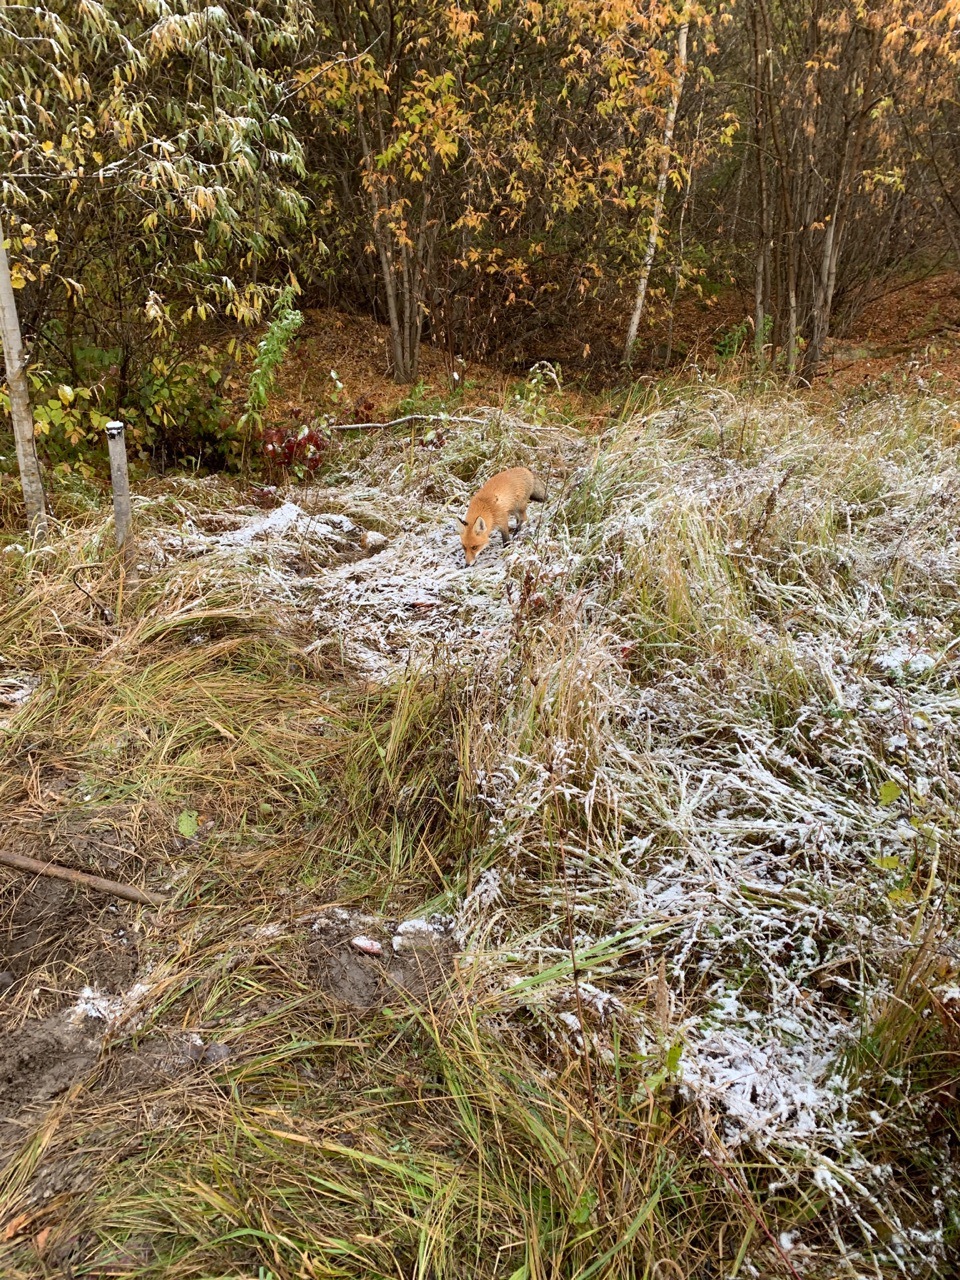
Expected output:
(761, 280)
(792, 304)
(784, 174)
(824, 278)
(381, 235)
(660, 196)
(27, 460)
(825, 286)
(678, 261)
(382, 242)
(405, 255)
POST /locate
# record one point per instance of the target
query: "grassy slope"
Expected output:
(681, 772)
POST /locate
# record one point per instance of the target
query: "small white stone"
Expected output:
(369, 946)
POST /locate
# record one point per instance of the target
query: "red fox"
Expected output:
(505, 495)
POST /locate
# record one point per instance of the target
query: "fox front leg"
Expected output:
(508, 534)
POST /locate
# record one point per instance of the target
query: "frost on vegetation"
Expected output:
(900, 660)
(415, 934)
(765, 1088)
(283, 521)
(764, 800)
(746, 717)
(109, 1009)
(338, 917)
(484, 895)
(288, 528)
(414, 601)
(420, 933)
(381, 601)
(16, 690)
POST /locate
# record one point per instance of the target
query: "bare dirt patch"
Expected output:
(71, 936)
(57, 941)
(912, 331)
(415, 959)
(39, 1061)
(908, 338)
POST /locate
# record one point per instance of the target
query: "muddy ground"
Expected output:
(77, 981)
(57, 940)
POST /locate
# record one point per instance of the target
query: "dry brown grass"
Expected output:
(654, 801)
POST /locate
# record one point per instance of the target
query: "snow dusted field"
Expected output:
(749, 657)
(715, 715)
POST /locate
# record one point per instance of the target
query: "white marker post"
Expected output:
(120, 481)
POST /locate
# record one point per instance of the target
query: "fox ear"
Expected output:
(481, 525)
(461, 524)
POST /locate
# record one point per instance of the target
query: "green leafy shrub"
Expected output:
(175, 409)
(178, 410)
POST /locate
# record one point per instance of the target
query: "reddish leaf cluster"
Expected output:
(299, 448)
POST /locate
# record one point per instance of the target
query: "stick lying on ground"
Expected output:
(448, 418)
(127, 891)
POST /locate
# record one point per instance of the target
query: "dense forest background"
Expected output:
(475, 174)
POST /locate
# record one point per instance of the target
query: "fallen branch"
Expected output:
(127, 891)
(411, 417)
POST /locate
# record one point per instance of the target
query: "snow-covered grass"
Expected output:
(677, 771)
(747, 749)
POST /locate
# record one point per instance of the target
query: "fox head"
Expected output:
(474, 538)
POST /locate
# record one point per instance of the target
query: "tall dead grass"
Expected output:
(692, 822)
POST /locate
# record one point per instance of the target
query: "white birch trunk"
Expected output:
(20, 412)
(660, 196)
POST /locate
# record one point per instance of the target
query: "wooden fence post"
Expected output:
(119, 479)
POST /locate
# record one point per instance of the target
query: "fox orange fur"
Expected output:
(491, 507)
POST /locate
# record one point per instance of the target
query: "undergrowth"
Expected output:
(677, 773)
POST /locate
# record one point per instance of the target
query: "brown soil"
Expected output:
(355, 349)
(55, 940)
(38, 1062)
(53, 929)
(912, 332)
(352, 979)
(911, 335)
(56, 1064)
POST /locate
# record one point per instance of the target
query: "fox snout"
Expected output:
(474, 539)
